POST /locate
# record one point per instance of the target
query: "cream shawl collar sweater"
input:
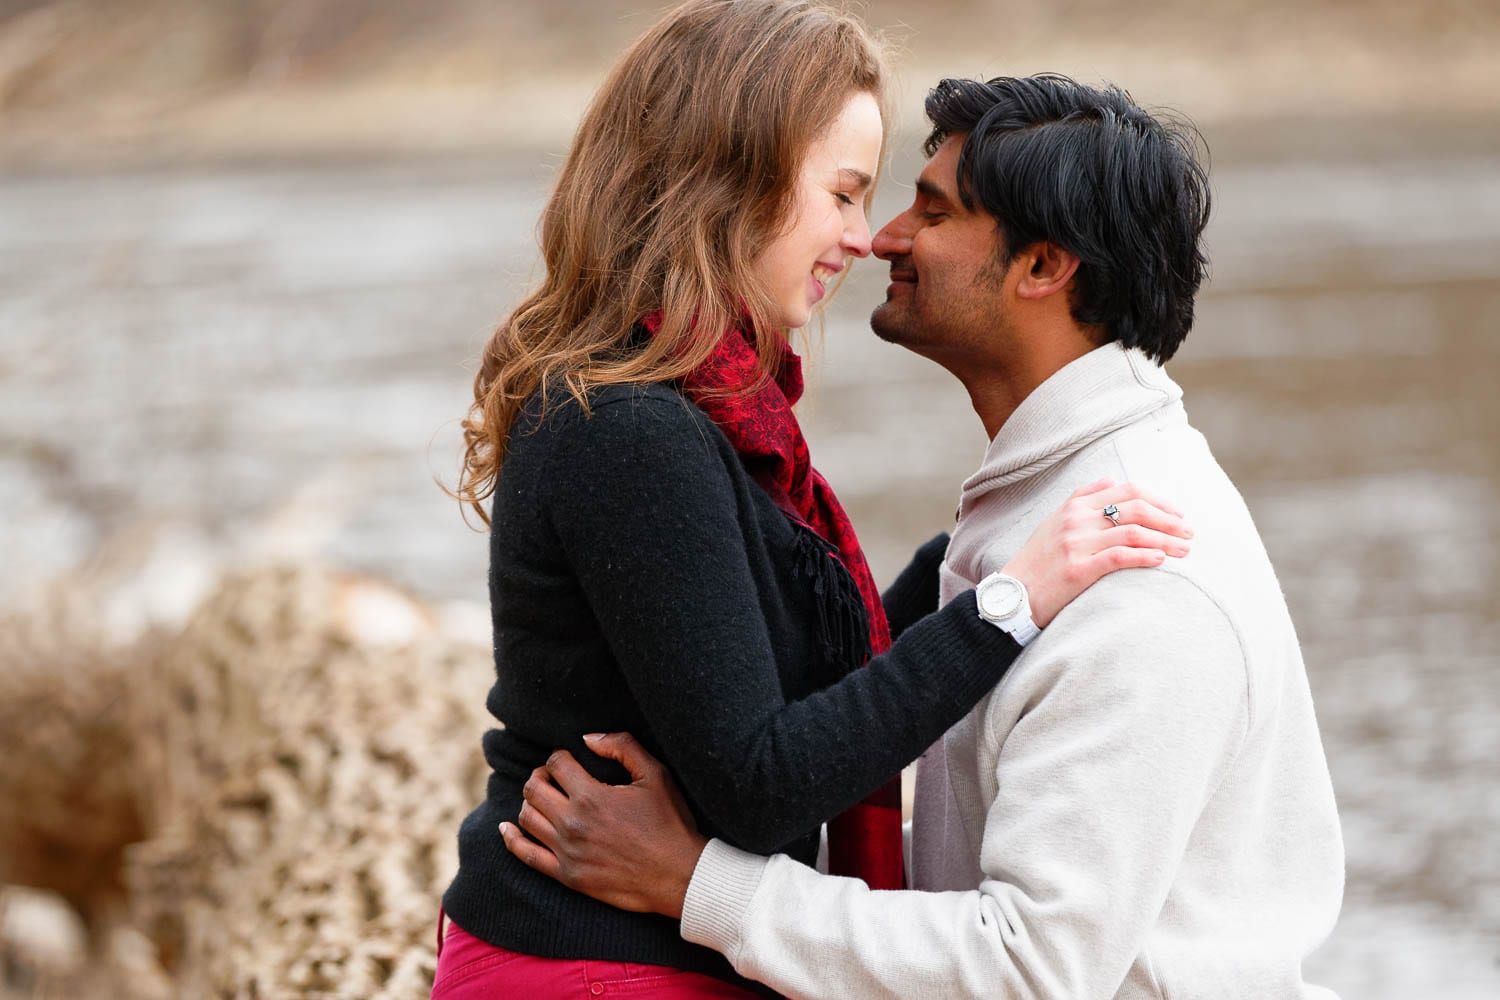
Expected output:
(1141, 807)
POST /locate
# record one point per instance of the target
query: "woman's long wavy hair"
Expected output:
(684, 169)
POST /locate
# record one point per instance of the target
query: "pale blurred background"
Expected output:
(250, 249)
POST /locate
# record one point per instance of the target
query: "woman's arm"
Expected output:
(648, 516)
(913, 595)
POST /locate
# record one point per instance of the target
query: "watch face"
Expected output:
(999, 598)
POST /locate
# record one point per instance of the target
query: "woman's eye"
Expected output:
(843, 198)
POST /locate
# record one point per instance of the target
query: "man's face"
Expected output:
(947, 281)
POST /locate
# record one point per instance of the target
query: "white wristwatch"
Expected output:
(1003, 603)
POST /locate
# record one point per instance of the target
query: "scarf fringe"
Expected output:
(843, 620)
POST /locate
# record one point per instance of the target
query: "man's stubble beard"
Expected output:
(887, 326)
(901, 322)
(944, 336)
(898, 321)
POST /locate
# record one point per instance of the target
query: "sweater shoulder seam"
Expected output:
(1239, 638)
(1251, 705)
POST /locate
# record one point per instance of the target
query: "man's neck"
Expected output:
(998, 388)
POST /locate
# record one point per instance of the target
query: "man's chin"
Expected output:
(890, 323)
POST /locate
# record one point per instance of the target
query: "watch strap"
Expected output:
(1022, 629)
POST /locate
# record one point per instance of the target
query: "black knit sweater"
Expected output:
(640, 581)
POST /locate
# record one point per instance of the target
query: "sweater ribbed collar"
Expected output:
(1104, 390)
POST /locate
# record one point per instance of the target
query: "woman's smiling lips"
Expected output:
(817, 285)
(815, 289)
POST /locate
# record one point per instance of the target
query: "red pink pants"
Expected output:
(471, 969)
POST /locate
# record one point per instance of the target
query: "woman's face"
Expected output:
(828, 224)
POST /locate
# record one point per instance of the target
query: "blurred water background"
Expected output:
(245, 274)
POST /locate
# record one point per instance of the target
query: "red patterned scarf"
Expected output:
(865, 840)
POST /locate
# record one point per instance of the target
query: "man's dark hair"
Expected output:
(1087, 169)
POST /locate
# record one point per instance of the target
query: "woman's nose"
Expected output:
(856, 241)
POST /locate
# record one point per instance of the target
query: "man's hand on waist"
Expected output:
(632, 846)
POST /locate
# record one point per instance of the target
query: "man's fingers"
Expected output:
(529, 852)
(539, 826)
(543, 796)
(569, 774)
(627, 750)
(644, 769)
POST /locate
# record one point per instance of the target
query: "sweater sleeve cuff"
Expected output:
(956, 634)
(718, 897)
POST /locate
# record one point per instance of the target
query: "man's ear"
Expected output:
(1048, 269)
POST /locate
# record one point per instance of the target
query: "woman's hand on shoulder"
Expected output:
(1079, 543)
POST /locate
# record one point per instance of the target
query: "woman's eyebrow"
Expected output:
(856, 178)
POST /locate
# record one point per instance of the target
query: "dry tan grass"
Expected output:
(263, 805)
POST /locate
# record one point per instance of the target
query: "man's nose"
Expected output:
(894, 239)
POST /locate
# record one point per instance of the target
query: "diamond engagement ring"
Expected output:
(1113, 513)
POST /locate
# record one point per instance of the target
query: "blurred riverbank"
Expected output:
(118, 82)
